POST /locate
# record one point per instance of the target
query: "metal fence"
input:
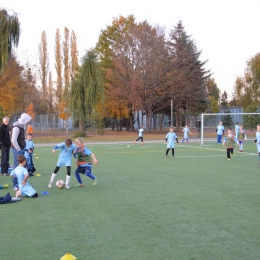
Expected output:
(48, 122)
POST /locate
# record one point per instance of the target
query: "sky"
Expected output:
(225, 31)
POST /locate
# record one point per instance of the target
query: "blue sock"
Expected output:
(78, 177)
(90, 175)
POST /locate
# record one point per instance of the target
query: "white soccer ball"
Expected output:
(60, 184)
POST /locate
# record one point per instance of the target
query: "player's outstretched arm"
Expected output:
(94, 158)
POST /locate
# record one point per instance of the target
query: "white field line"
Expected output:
(220, 150)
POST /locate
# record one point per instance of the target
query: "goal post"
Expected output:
(203, 116)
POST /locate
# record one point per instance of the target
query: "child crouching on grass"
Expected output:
(84, 162)
(24, 188)
(229, 142)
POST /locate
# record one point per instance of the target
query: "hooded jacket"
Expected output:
(18, 132)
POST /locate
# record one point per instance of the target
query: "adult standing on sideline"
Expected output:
(18, 136)
(6, 144)
(220, 131)
(198, 126)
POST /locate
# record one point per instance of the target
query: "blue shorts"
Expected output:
(84, 169)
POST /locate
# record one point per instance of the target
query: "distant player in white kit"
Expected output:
(140, 135)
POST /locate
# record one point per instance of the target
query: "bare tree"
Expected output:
(58, 65)
(44, 64)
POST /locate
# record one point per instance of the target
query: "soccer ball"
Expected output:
(60, 184)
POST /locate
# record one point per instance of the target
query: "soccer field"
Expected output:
(145, 206)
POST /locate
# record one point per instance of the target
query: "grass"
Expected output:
(198, 205)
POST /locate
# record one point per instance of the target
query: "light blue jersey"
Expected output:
(29, 145)
(20, 172)
(186, 130)
(171, 136)
(257, 135)
(65, 154)
(237, 129)
(220, 129)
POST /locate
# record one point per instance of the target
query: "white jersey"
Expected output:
(257, 135)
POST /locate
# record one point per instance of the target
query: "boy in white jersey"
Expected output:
(140, 135)
(257, 141)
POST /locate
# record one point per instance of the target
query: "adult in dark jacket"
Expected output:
(6, 144)
(18, 136)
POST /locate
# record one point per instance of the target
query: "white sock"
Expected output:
(53, 177)
(67, 179)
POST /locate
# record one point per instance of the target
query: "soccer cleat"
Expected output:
(142, 143)
(228, 159)
(173, 156)
(79, 185)
(134, 142)
(67, 186)
(50, 185)
(95, 181)
(15, 199)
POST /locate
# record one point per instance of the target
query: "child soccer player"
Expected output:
(229, 141)
(140, 135)
(28, 153)
(84, 162)
(219, 131)
(24, 188)
(237, 127)
(169, 138)
(67, 149)
(186, 131)
(257, 141)
(241, 137)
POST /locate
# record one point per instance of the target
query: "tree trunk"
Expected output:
(81, 126)
(154, 121)
(113, 124)
(161, 122)
(131, 120)
(148, 121)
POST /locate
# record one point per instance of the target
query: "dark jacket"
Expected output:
(4, 135)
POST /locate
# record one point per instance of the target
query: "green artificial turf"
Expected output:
(145, 206)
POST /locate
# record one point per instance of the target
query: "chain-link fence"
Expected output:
(48, 122)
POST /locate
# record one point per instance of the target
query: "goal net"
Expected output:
(209, 123)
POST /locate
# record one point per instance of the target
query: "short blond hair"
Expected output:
(79, 140)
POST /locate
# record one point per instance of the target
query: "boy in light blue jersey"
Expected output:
(169, 138)
(219, 132)
(237, 127)
(28, 153)
(186, 131)
(20, 172)
(257, 141)
(84, 162)
(67, 149)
